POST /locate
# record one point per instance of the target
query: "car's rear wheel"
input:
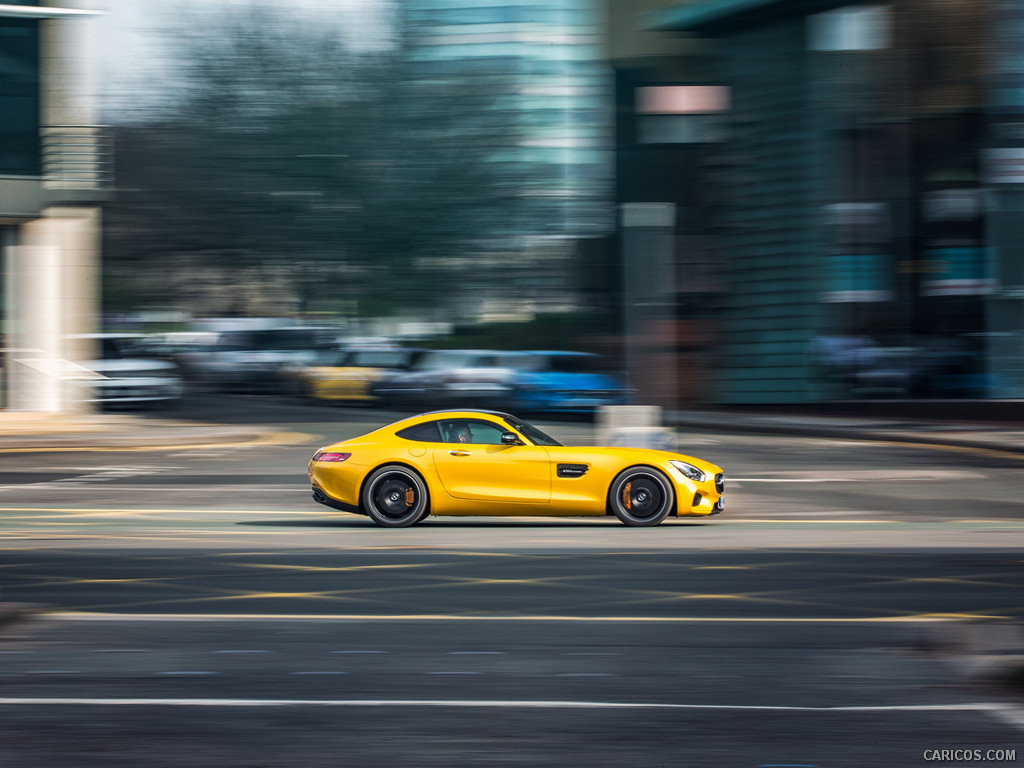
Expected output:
(641, 496)
(395, 497)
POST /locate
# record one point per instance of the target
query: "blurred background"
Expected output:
(774, 202)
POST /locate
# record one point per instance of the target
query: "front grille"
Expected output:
(720, 482)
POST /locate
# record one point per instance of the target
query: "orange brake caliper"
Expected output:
(410, 497)
(626, 500)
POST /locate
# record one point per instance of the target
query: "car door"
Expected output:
(484, 469)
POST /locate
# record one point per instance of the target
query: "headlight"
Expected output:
(689, 470)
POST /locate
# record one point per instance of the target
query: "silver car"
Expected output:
(126, 377)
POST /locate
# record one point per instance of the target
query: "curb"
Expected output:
(678, 421)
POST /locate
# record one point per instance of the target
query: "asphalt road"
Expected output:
(202, 610)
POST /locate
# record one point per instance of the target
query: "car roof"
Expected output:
(464, 411)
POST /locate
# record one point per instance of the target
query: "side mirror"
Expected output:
(510, 438)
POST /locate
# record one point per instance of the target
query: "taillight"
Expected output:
(330, 456)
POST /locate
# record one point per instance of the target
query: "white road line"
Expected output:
(992, 708)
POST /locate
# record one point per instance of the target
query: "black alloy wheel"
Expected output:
(395, 497)
(641, 496)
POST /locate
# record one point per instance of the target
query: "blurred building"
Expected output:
(863, 192)
(551, 86)
(53, 178)
(669, 131)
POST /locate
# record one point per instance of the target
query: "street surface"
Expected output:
(202, 610)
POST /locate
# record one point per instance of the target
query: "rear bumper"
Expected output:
(322, 498)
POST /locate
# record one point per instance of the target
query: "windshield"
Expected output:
(535, 435)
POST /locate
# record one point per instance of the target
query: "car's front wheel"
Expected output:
(395, 497)
(641, 496)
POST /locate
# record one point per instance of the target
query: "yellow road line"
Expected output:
(276, 438)
(904, 619)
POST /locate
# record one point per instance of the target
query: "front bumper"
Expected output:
(708, 497)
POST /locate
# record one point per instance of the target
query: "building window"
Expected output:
(19, 97)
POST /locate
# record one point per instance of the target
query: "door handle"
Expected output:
(459, 453)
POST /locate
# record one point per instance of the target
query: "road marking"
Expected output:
(275, 438)
(73, 484)
(913, 618)
(864, 476)
(998, 710)
(136, 510)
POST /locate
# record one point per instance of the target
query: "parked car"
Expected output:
(349, 375)
(128, 378)
(454, 377)
(567, 382)
(253, 359)
(488, 463)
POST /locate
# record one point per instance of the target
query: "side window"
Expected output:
(470, 431)
(427, 433)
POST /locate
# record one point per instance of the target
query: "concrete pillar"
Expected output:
(52, 295)
(34, 328)
(649, 282)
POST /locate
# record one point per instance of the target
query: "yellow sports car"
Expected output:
(490, 463)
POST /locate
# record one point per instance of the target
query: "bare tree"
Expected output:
(347, 176)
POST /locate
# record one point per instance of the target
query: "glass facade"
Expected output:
(19, 97)
(556, 90)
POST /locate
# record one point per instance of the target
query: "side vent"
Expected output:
(572, 470)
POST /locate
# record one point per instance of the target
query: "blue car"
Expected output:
(567, 382)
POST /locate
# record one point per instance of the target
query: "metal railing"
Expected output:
(77, 157)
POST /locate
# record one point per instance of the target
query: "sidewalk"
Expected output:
(24, 431)
(1008, 438)
(110, 431)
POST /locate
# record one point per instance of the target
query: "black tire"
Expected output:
(641, 496)
(395, 496)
